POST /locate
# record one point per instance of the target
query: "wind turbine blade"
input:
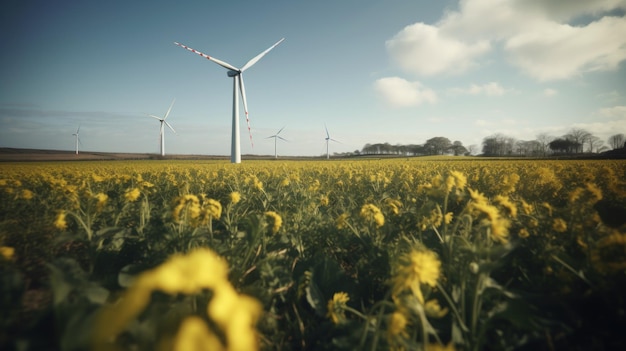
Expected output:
(259, 56)
(219, 62)
(169, 109)
(327, 135)
(164, 121)
(153, 116)
(281, 138)
(281, 129)
(78, 130)
(245, 105)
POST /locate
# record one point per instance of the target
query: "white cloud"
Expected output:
(422, 49)
(560, 51)
(399, 92)
(535, 34)
(489, 89)
(614, 112)
(548, 92)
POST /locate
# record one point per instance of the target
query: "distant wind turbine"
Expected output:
(328, 138)
(77, 138)
(276, 136)
(163, 123)
(237, 75)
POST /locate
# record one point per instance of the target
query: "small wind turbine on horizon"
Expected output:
(328, 138)
(237, 75)
(77, 138)
(276, 136)
(162, 129)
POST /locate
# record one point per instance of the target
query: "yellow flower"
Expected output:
(60, 222)
(324, 200)
(448, 217)
(132, 194)
(235, 315)
(341, 221)
(7, 252)
(523, 233)
(372, 213)
(433, 309)
(235, 197)
(507, 205)
(415, 268)
(440, 347)
(101, 200)
(393, 205)
(194, 335)
(275, 221)
(456, 179)
(213, 208)
(397, 326)
(336, 307)
(26, 194)
(559, 225)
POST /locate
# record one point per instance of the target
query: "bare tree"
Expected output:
(578, 137)
(617, 141)
(594, 143)
(544, 140)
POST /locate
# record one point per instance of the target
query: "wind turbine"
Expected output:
(77, 138)
(163, 123)
(237, 75)
(276, 136)
(328, 138)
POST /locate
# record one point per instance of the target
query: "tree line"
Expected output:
(576, 141)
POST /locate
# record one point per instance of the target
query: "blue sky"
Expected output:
(397, 71)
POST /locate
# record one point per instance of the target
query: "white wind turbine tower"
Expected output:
(163, 123)
(77, 138)
(328, 138)
(276, 136)
(237, 75)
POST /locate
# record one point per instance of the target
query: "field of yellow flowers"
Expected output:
(398, 254)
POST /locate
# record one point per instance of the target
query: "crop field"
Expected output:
(393, 254)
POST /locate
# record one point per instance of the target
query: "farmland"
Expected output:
(394, 254)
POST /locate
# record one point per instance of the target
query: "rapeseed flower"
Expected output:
(101, 200)
(509, 206)
(26, 194)
(371, 213)
(336, 307)
(275, 221)
(559, 225)
(213, 208)
(131, 195)
(397, 327)
(234, 197)
(234, 314)
(434, 310)
(341, 221)
(7, 252)
(413, 269)
(60, 222)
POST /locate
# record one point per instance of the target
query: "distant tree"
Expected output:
(564, 145)
(472, 149)
(498, 145)
(544, 139)
(437, 145)
(617, 141)
(579, 138)
(458, 148)
(594, 143)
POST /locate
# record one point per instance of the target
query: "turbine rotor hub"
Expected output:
(232, 73)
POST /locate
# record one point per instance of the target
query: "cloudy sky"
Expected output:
(397, 71)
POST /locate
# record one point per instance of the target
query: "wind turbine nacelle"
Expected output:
(232, 73)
